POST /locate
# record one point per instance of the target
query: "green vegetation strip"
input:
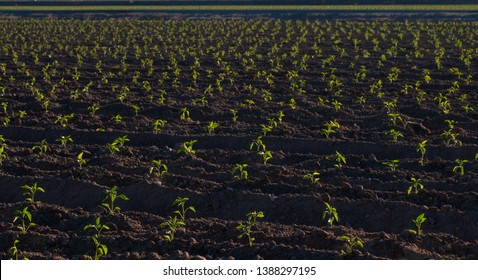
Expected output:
(158, 8)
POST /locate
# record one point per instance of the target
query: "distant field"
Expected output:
(354, 8)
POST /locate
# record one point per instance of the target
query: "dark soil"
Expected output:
(371, 199)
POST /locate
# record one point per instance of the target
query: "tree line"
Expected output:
(237, 2)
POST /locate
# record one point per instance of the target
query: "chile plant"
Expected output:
(239, 171)
(171, 226)
(246, 229)
(339, 160)
(416, 185)
(81, 161)
(460, 167)
(41, 146)
(392, 164)
(329, 128)
(100, 249)
(158, 125)
(14, 252)
(174, 223)
(159, 168)
(349, 244)
(422, 149)
(331, 214)
(314, 177)
(211, 126)
(25, 218)
(110, 198)
(187, 148)
(64, 140)
(115, 146)
(30, 191)
(3, 155)
(418, 221)
(181, 203)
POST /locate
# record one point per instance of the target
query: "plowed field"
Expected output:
(303, 92)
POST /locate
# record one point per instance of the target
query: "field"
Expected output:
(159, 8)
(322, 133)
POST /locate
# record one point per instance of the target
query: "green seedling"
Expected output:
(184, 114)
(391, 105)
(203, 101)
(422, 149)
(272, 122)
(234, 114)
(112, 148)
(98, 227)
(395, 134)
(41, 146)
(30, 191)
(460, 168)
(337, 105)
(63, 120)
(280, 115)
(292, 104)
(468, 108)
(136, 109)
(392, 164)
(171, 226)
(329, 128)
(349, 244)
(25, 218)
(158, 167)
(249, 103)
(4, 105)
(258, 143)
(81, 161)
(100, 249)
(181, 203)
(6, 120)
(416, 185)
(266, 155)
(22, 114)
(239, 172)
(3, 155)
(111, 196)
(158, 125)
(451, 137)
(331, 214)
(122, 140)
(64, 140)
(361, 100)
(339, 159)
(321, 101)
(418, 221)
(93, 108)
(187, 148)
(266, 129)
(117, 119)
(395, 117)
(14, 252)
(314, 177)
(211, 127)
(246, 229)
(115, 146)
